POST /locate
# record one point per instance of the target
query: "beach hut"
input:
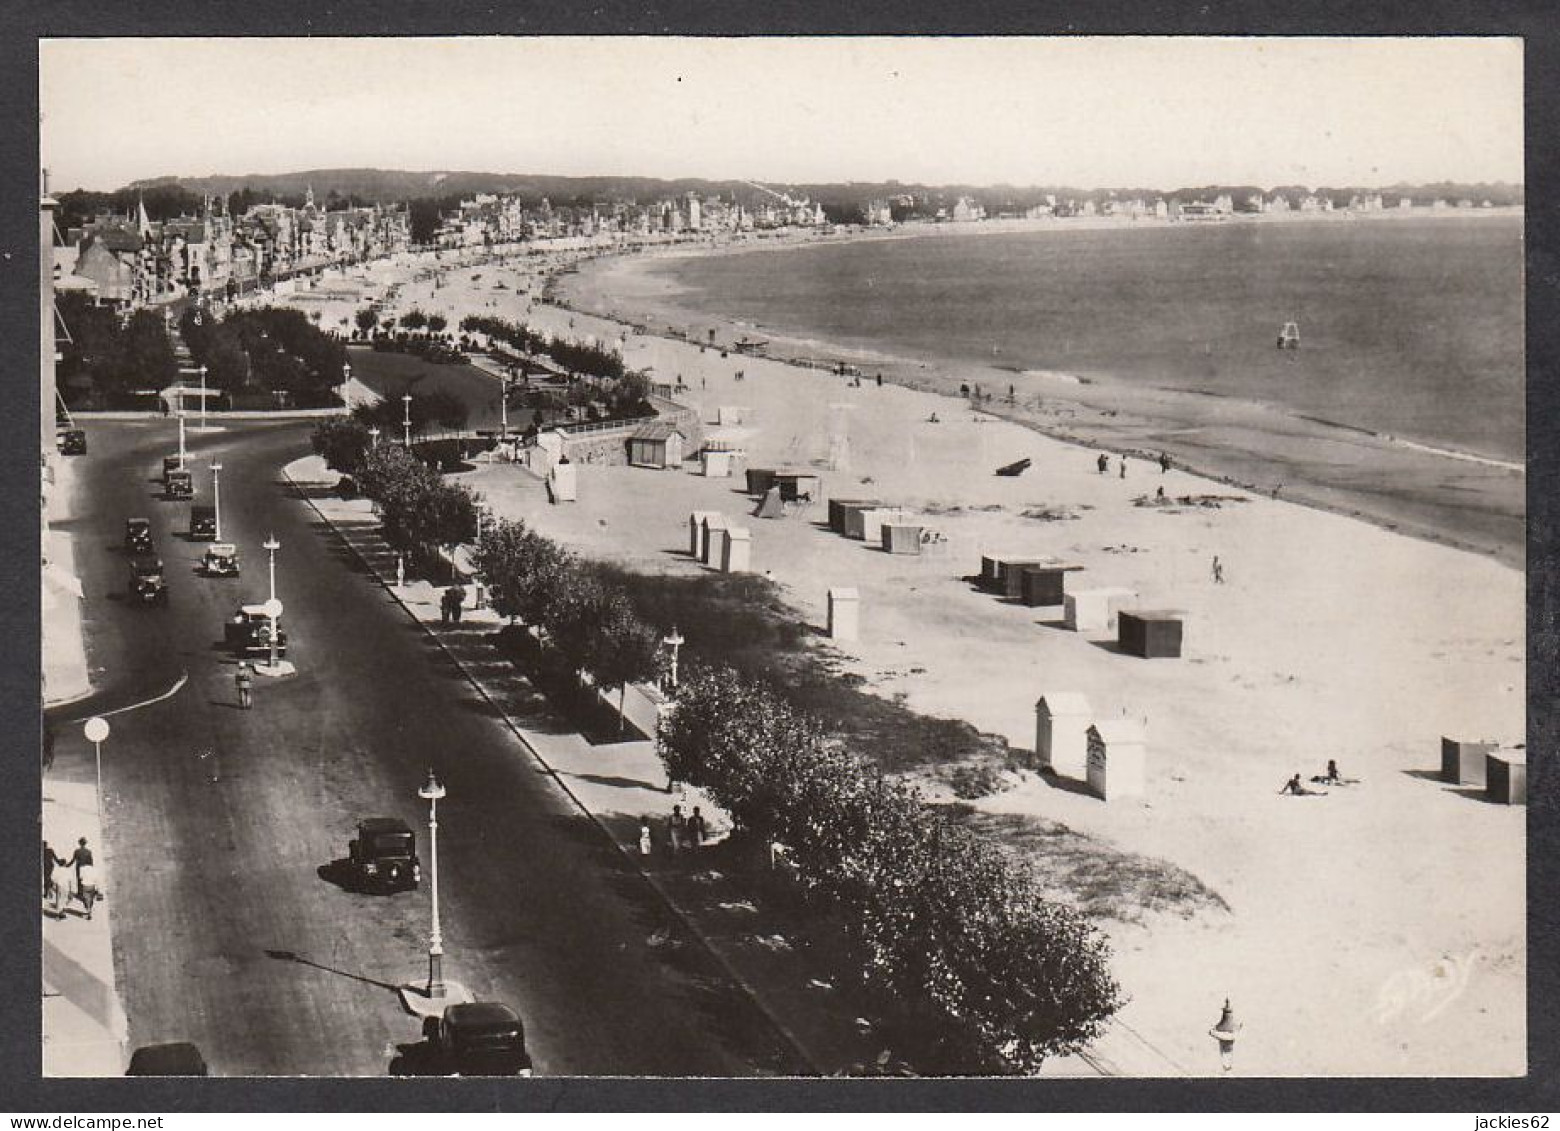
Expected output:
(873, 521)
(696, 533)
(844, 614)
(1002, 573)
(562, 483)
(737, 553)
(1044, 585)
(771, 506)
(1061, 733)
(1094, 610)
(1118, 758)
(1149, 633)
(852, 518)
(658, 444)
(837, 511)
(796, 485)
(901, 538)
(714, 544)
(1505, 777)
(760, 479)
(718, 464)
(1463, 762)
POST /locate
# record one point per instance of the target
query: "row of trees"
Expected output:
(272, 348)
(368, 322)
(938, 916)
(106, 361)
(575, 357)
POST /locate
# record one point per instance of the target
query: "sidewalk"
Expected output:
(84, 1027)
(65, 677)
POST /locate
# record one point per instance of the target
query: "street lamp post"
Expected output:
(373, 436)
(96, 731)
(431, 792)
(674, 642)
(406, 419)
(216, 497)
(271, 546)
(181, 433)
(202, 398)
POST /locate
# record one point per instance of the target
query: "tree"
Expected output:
(437, 323)
(367, 320)
(414, 319)
(522, 570)
(343, 441)
(446, 517)
(624, 649)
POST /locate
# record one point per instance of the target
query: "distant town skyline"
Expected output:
(1085, 112)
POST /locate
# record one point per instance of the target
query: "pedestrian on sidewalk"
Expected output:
(244, 681)
(696, 829)
(676, 829)
(456, 596)
(51, 861)
(86, 882)
(646, 843)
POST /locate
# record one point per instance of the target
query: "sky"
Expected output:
(1082, 112)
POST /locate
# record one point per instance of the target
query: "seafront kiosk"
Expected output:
(844, 614)
(1464, 762)
(1149, 633)
(1062, 733)
(696, 534)
(1118, 758)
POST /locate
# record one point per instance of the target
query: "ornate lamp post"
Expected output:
(1224, 1032)
(406, 419)
(674, 642)
(431, 792)
(181, 433)
(271, 546)
(202, 398)
(216, 497)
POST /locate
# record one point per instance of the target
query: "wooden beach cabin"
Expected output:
(759, 480)
(658, 444)
(901, 538)
(1000, 573)
(718, 463)
(837, 511)
(1463, 762)
(562, 482)
(796, 485)
(1044, 584)
(844, 613)
(1505, 777)
(1062, 733)
(1094, 610)
(713, 545)
(1118, 759)
(696, 533)
(1149, 633)
(873, 521)
(737, 550)
(851, 518)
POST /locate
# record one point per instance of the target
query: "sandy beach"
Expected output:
(1376, 930)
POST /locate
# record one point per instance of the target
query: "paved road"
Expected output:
(219, 820)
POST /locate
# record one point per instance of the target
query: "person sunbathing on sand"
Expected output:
(1332, 776)
(1293, 786)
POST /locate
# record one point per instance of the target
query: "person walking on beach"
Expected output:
(1123, 467)
(1218, 570)
(1103, 463)
(244, 682)
(1164, 462)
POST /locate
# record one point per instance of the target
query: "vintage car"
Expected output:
(171, 463)
(146, 580)
(178, 484)
(220, 560)
(72, 442)
(138, 535)
(248, 633)
(383, 857)
(176, 1058)
(203, 524)
(478, 1038)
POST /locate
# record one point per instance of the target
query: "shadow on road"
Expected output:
(305, 960)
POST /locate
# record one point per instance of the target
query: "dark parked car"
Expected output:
(138, 535)
(203, 524)
(248, 633)
(72, 442)
(178, 484)
(384, 855)
(478, 1038)
(170, 463)
(146, 580)
(176, 1058)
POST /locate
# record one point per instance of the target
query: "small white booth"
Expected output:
(1061, 733)
(738, 553)
(1118, 758)
(1094, 610)
(696, 533)
(844, 614)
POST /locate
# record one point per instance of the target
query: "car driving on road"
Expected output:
(138, 535)
(147, 583)
(478, 1038)
(220, 560)
(383, 857)
(248, 633)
